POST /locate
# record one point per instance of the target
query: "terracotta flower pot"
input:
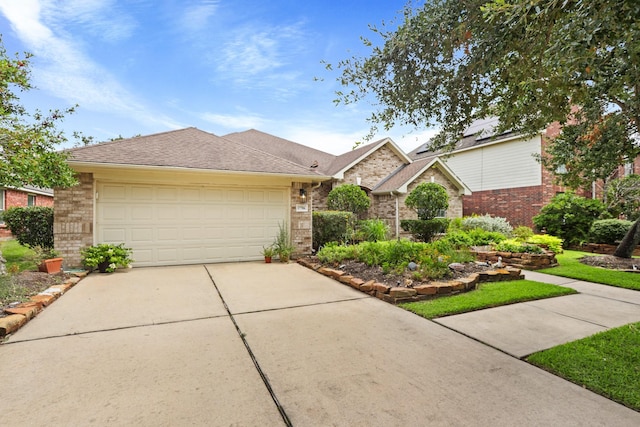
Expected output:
(51, 266)
(267, 259)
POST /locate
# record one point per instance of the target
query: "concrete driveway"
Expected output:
(254, 344)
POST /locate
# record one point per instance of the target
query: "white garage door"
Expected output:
(167, 225)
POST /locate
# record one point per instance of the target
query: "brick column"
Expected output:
(73, 219)
(301, 221)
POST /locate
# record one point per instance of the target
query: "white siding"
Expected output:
(497, 166)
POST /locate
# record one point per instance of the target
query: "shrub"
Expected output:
(348, 198)
(428, 199)
(487, 223)
(372, 230)
(569, 217)
(336, 253)
(331, 226)
(32, 226)
(609, 231)
(480, 237)
(424, 229)
(113, 256)
(513, 245)
(553, 243)
(623, 196)
(522, 233)
(457, 239)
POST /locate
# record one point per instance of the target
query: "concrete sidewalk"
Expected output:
(259, 344)
(525, 328)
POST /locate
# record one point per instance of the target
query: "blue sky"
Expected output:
(147, 66)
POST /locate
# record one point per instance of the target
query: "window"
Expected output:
(628, 169)
(31, 200)
(442, 213)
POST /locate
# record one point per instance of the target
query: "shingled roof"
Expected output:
(188, 148)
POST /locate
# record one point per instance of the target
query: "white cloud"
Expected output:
(66, 71)
(234, 122)
(196, 16)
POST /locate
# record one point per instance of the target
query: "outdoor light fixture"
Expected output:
(303, 195)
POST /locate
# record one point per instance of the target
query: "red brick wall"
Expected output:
(15, 198)
(517, 205)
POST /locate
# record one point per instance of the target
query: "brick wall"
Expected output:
(73, 219)
(374, 168)
(301, 222)
(15, 198)
(517, 205)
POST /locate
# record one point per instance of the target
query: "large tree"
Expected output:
(528, 62)
(28, 141)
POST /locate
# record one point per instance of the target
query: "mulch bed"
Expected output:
(611, 262)
(366, 273)
(33, 282)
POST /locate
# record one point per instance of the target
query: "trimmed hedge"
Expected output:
(424, 229)
(32, 226)
(331, 226)
(609, 231)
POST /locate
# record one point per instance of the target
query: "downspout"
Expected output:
(393, 193)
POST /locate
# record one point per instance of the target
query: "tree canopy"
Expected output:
(528, 62)
(348, 198)
(28, 141)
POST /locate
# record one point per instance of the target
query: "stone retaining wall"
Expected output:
(601, 248)
(395, 295)
(519, 260)
(20, 314)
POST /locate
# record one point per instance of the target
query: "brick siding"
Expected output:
(301, 222)
(16, 198)
(73, 220)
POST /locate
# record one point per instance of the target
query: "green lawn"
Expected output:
(571, 267)
(488, 295)
(17, 254)
(607, 363)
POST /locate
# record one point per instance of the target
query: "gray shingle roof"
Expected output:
(188, 148)
(283, 148)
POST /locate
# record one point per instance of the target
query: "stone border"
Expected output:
(396, 295)
(19, 315)
(519, 260)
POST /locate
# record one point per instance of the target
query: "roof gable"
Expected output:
(399, 181)
(347, 160)
(188, 148)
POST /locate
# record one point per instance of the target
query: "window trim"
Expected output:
(31, 197)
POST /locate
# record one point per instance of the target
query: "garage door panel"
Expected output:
(187, 224)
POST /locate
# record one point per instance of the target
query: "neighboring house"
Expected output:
(188, 196)
(20, 197)
(501, 171)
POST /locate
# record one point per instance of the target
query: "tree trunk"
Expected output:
(629, 242)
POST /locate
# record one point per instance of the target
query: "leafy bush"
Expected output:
(424, 229)
(457, 239)
(331, 226)
(569, 217)
(32, 226)
(513, 245)
(487, 223)
(553, 243)
(113, 256)
(623, 197)
(372, 230)
(608, 231)
(348, 198)
(428, 199)
(394, 256)
(522, 233)
(480, 237)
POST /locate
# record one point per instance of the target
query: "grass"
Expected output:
(488, 295)
(607, 363)
(16, 254)
(572, 268)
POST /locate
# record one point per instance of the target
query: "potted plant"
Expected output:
(282, 244)
(107, 257)
(47, 260)
(267, 252)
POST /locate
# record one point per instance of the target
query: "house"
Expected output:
(501, 171)
(189, 196)
(380, 168)
(20, 197)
